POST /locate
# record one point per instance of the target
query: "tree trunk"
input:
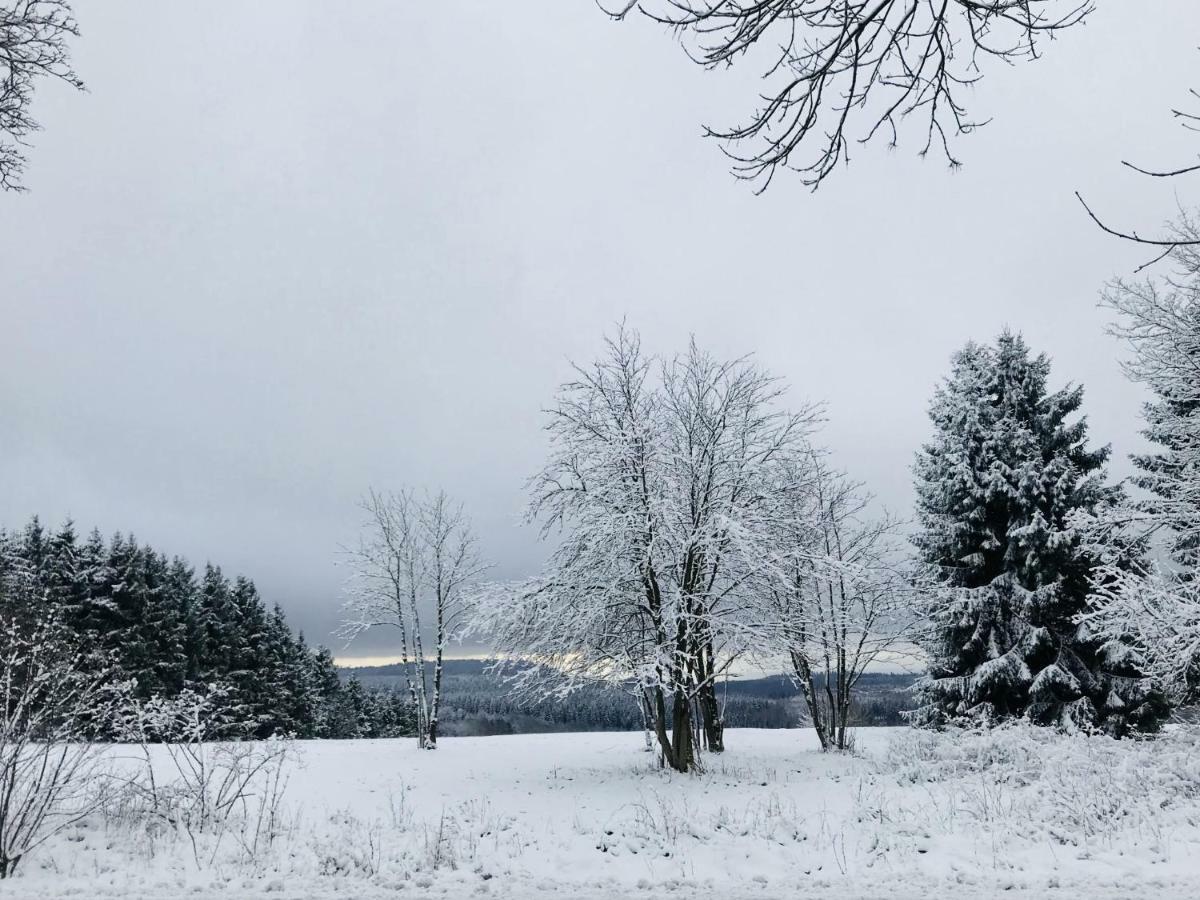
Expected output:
(843, 716)
(683, 756)
(8, 864)
(437, 676)
(703, 670)
(647, 720)
(678, 750)
(710, 712)
(808, 687)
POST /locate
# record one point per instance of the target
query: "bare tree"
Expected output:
(416, 555)
(661, 482)
(838, 596)
(1179, 235)
(832, 64)
(33, 44)
(50, 697)
(197, 780)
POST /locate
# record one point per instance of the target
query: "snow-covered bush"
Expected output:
(1026, 781)
(199, 786)
(50, 768)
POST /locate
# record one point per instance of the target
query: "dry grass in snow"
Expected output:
(1016, 812)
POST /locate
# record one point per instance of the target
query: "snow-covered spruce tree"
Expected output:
(660, 488)
(1155, 606)
(1007, 574)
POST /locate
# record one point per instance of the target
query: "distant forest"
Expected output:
(476, 702)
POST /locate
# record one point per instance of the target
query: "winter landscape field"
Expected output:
(1019, 811)
(599, 450)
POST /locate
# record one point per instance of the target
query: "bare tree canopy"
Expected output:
(850, 70)
(1179, 235)
(33, 44)
(663, 486)
(837, 592)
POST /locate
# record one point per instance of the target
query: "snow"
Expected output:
(1020, 812)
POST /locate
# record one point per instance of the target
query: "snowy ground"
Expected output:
(1018, 814)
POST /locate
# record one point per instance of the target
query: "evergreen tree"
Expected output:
(245, 648)
(163, 624)
(325, 687)
(97, 586)
(13, 574)
(128, 634)
(65, 580)
(997, 488)
(182, 588)
(353, 718)
(35, 550)
(1168, 365)
(284, 685)
(215, 624)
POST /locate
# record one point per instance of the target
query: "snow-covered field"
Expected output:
(913, 815)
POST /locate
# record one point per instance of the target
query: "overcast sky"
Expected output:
(293, 250)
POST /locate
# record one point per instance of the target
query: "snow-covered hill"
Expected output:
(1014, 813)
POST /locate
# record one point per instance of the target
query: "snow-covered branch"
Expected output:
(661, 487)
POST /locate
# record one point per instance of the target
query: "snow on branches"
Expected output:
(839, 595)
(34, 39)
(839, 73)
(662, 489)
(417, 556)
(1001, 488)
(50, 702)
(1155, 607)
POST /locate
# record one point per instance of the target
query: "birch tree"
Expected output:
(416, 558)
(660, 487)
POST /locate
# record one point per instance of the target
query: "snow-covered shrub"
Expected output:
(1006, 752)
(400, 847)
(199, 786)
(358, 851)
(50, 767)
(1023, 781)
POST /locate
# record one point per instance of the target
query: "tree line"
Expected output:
(152, 625)
(477, 702)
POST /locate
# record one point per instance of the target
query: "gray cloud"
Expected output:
(265, 264)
